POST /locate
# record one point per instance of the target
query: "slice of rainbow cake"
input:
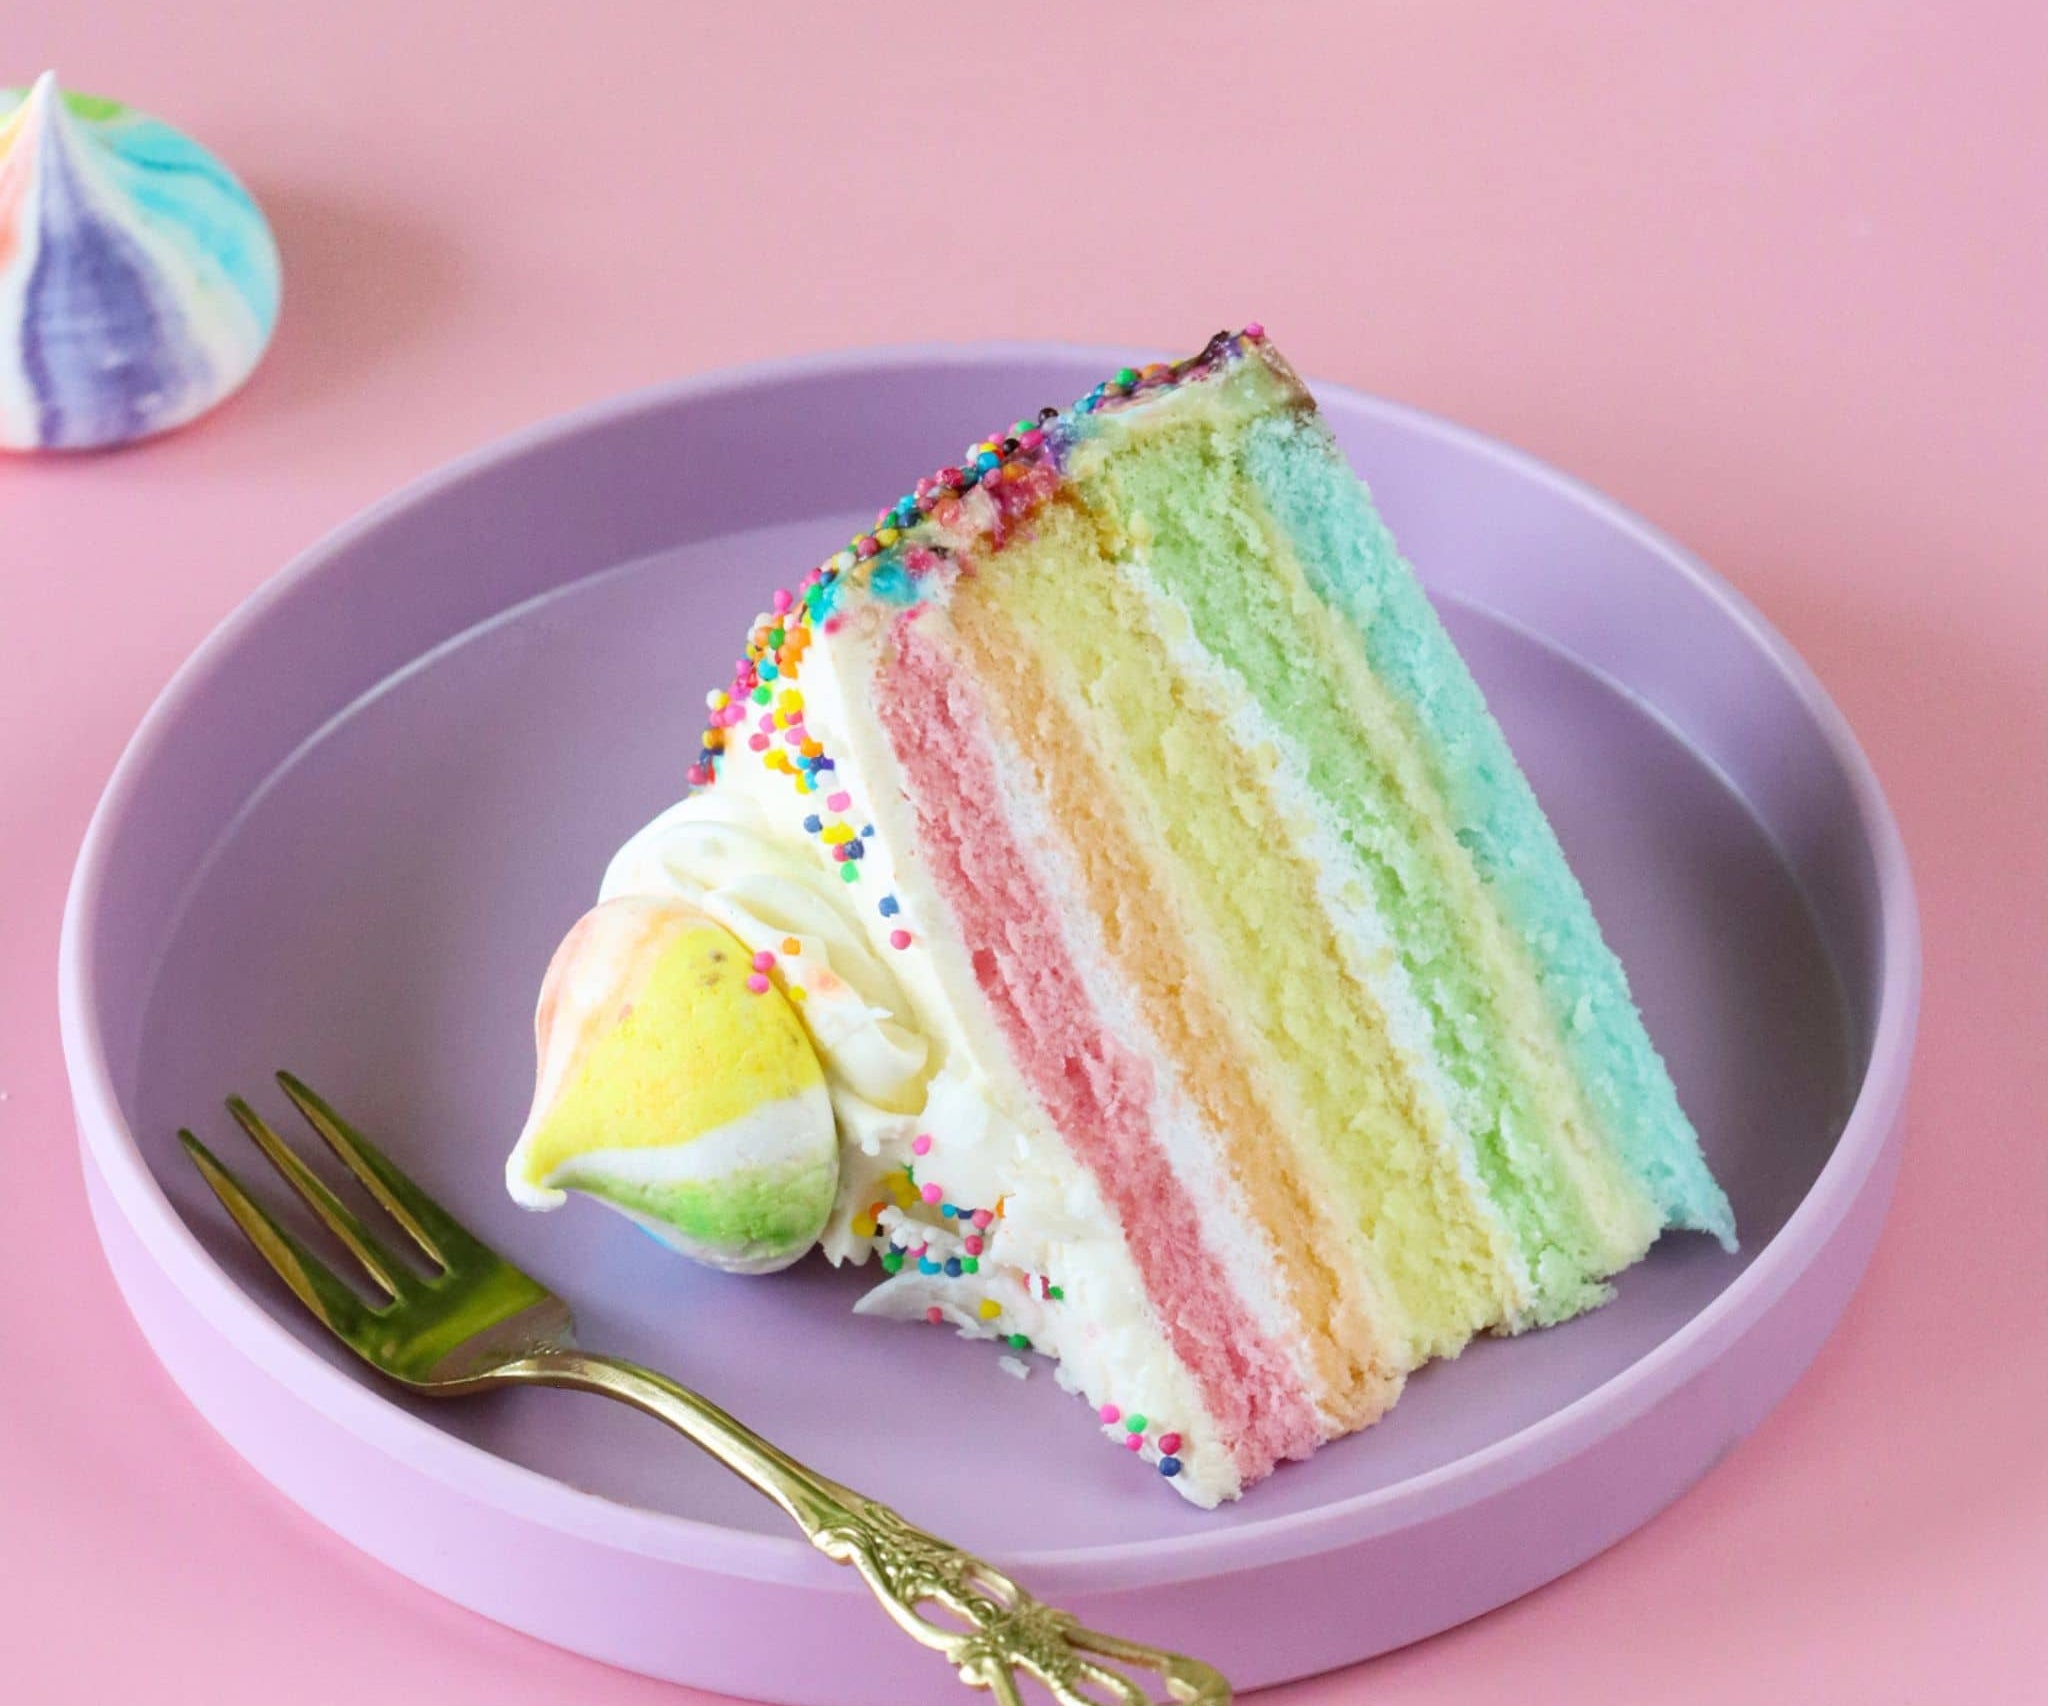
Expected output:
(1202, 998)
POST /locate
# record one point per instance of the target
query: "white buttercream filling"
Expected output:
(905, 1056)
(1365, 946)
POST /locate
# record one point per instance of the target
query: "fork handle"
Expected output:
(996, 1631)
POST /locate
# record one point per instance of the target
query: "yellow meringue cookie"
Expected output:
(677, 1084)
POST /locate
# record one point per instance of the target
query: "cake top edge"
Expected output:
(1040, 442)
(998, 481)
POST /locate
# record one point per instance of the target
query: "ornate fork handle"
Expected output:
(998, 1629)
(993, 1630)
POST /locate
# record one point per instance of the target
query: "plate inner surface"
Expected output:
(378, 916)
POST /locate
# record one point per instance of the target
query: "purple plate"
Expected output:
(350, 832)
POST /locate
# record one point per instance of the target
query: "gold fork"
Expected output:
(481, 1322)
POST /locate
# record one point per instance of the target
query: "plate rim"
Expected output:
(109, 1146)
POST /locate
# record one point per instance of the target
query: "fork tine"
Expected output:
(339, 1218)
(433, 1228)
(338, 1308)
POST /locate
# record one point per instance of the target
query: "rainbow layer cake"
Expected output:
(1106, 909)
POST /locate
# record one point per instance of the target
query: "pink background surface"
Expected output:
(1776, 282)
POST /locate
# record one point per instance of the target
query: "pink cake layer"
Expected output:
(1093, 1088)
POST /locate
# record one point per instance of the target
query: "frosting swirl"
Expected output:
(717, 850)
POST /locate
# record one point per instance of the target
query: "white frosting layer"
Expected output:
(718, 850)
(1364, 944)
(910, 1053)
(1229, 1227)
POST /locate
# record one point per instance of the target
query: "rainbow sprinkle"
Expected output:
(1016, 470)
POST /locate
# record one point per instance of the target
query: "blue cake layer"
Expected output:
(1351, 560)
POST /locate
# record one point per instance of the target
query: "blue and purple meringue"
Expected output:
(138, 279)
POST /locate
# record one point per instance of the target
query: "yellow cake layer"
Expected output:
(1578, 1210)
(1382, 1149)
(1352, 1328)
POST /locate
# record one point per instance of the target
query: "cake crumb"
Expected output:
(1016, 1367)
